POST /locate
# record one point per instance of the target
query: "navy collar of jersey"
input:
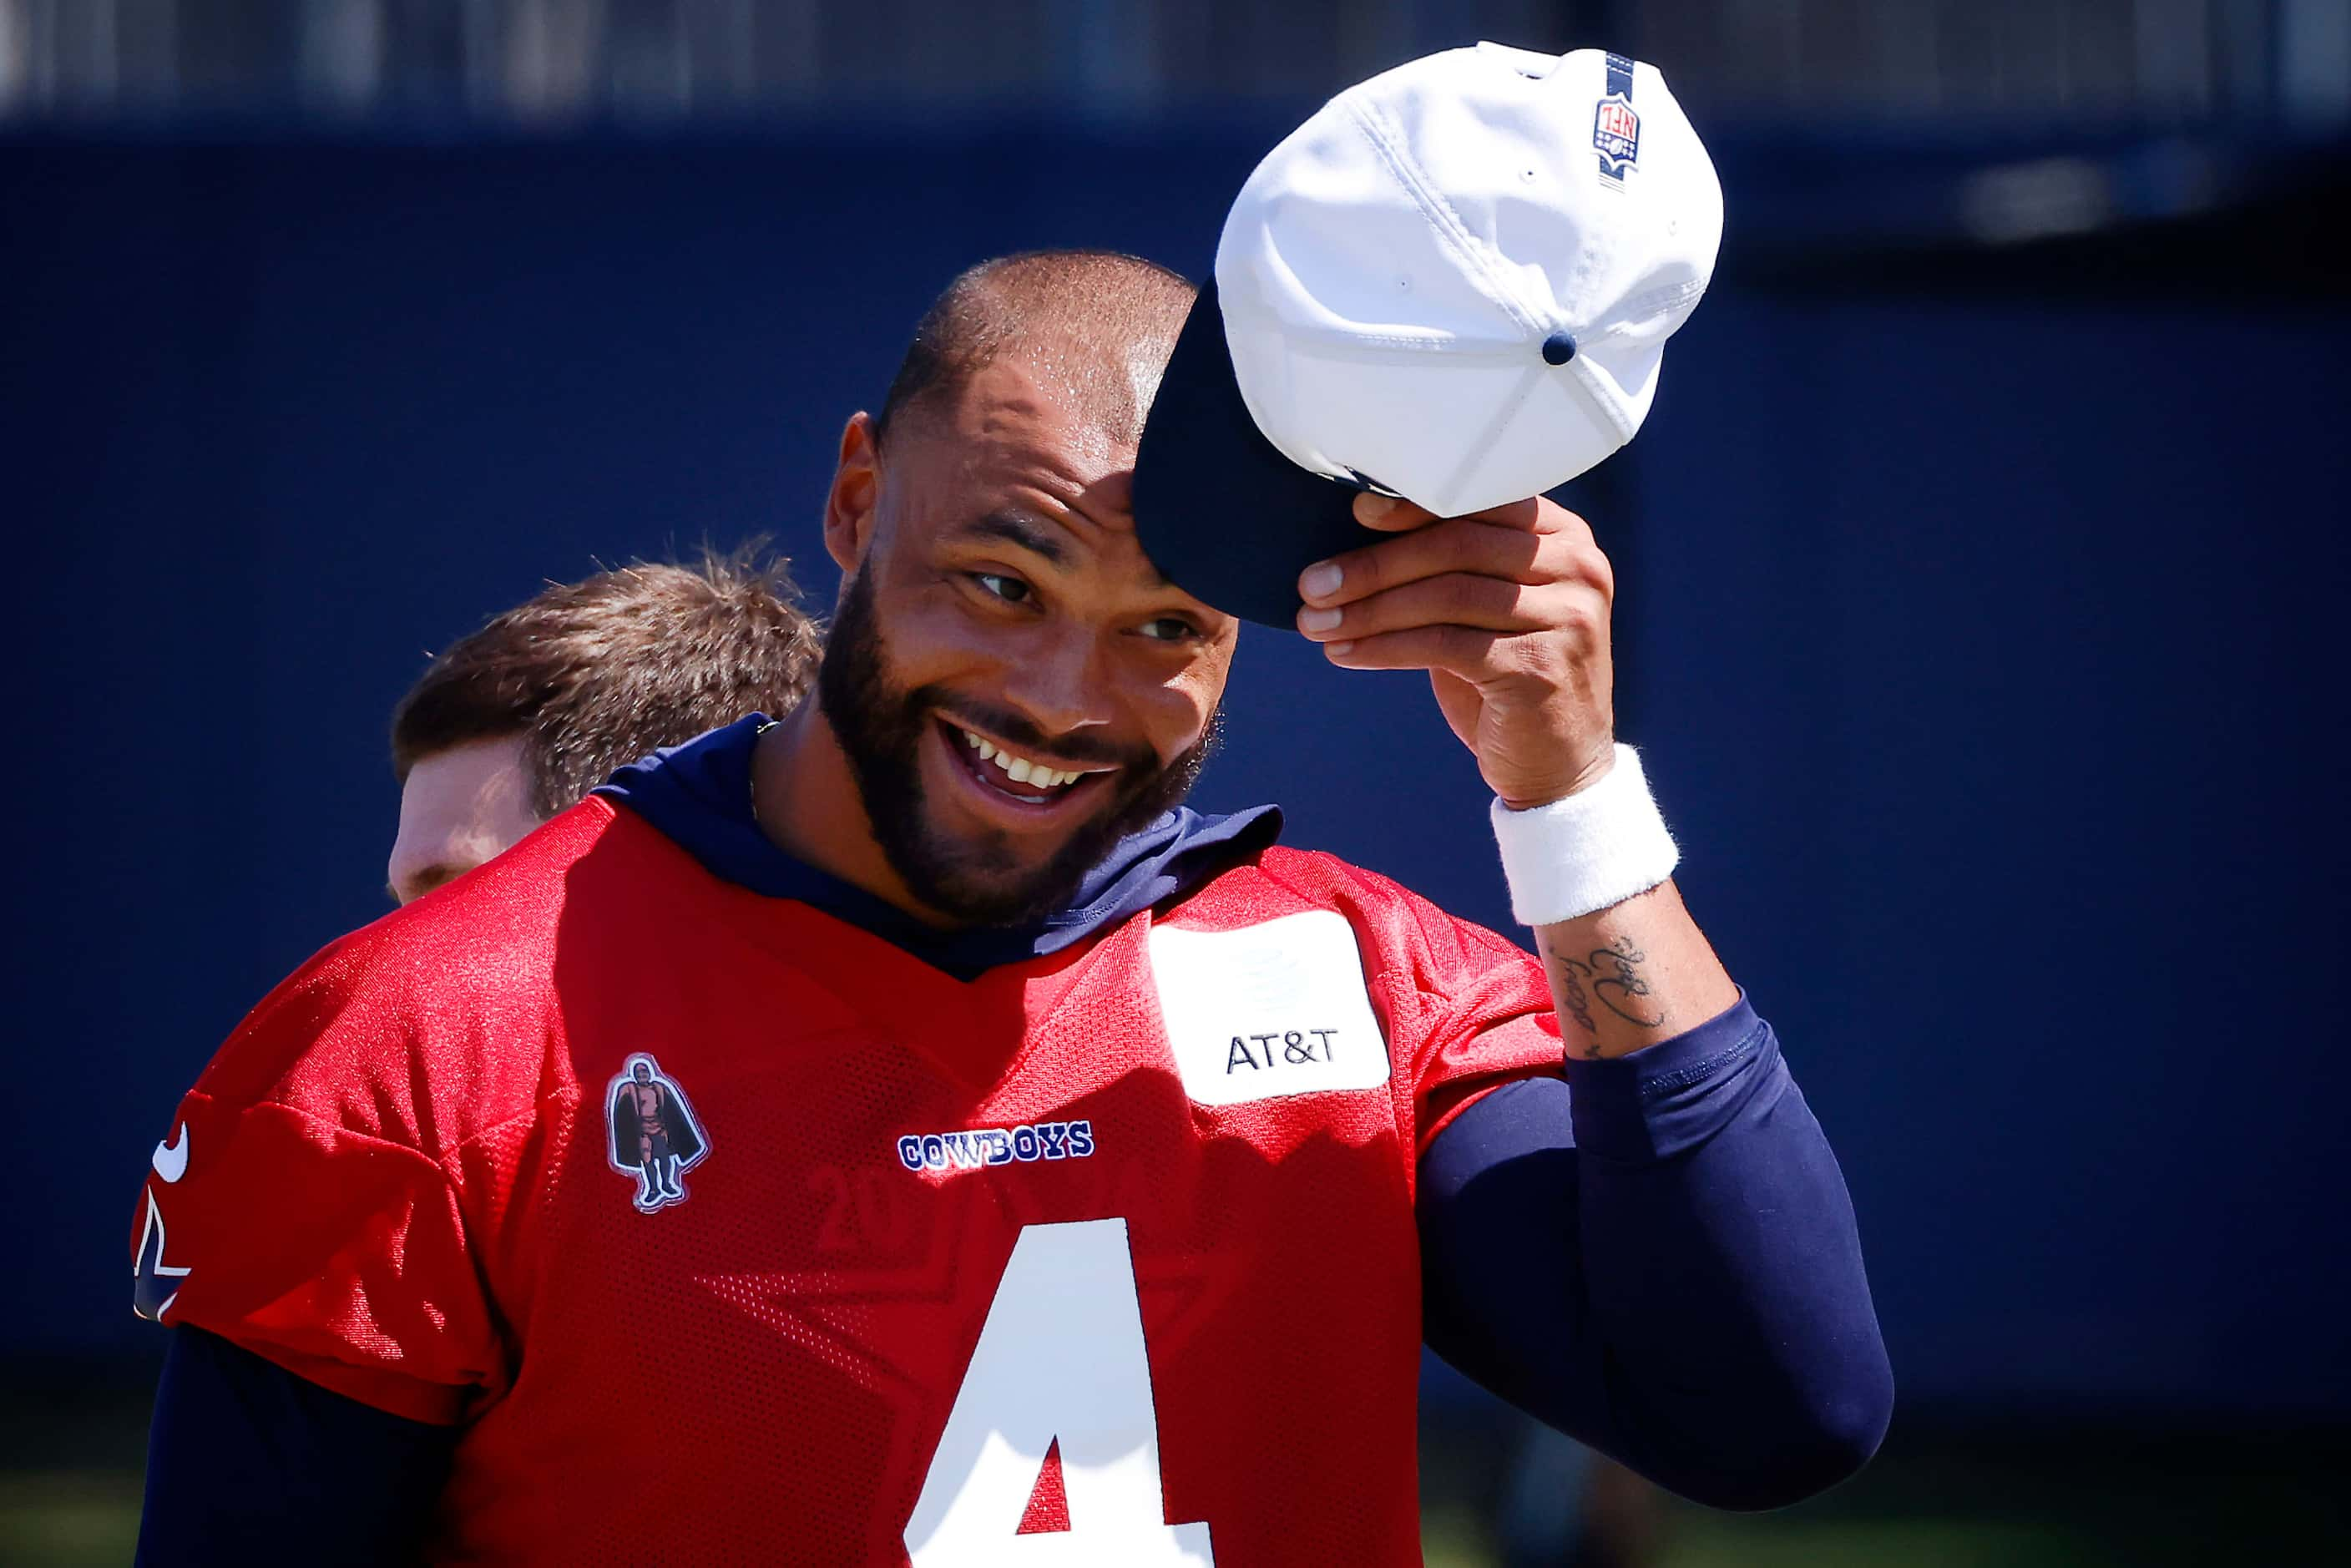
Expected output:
(699, 795)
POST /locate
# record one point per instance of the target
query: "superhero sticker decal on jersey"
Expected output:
(654, 1134)
(1267, 1011)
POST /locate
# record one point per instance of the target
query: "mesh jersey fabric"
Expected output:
(408, 1181)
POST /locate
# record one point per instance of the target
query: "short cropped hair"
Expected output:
(1091, 307)
(599, 673)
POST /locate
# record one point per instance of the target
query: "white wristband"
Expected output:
(1600, 846)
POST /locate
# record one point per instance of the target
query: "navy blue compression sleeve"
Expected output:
(248, 1463)
(1656, 1255)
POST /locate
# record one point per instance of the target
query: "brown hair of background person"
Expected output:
(518, 721)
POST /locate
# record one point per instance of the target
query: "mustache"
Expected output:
(1022, 733)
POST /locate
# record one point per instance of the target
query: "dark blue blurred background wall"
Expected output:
(1981, 619)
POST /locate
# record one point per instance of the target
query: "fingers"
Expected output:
(1390, 513)
(1560, 552)
(1393, 513)
(1464, 651)
(1456, 599)
(1513, 592)
(1493, 664)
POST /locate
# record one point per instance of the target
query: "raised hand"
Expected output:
(1508, 612)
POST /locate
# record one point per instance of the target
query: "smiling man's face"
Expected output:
(1013, 683)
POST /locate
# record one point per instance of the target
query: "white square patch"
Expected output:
(1267, 1011)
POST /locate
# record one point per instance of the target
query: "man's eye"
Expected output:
(996, 585)
(1170, 629)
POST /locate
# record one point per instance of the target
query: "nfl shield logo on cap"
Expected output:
(1615, 129)
(1453, 283)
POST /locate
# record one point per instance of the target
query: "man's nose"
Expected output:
(1061, 683)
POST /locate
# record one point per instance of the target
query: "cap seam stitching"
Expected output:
(1634, 313)
(1502, 422)
(1441, 214)
(1587, 381)
(1432, 345)
(1656, 302)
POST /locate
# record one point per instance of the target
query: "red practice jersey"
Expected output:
(731, 1232)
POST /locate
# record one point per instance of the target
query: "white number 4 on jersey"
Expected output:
(1060, 1356)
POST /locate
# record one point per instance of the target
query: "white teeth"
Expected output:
(1020, 769)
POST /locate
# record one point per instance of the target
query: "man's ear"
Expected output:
(850, 504)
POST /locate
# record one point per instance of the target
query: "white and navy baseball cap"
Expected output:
(1453, 283)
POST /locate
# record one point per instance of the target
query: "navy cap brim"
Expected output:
(1218, 508)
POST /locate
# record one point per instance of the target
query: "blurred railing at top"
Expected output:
(536, 62)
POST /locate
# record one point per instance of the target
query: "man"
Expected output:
(515, 722)
(1084, 1173)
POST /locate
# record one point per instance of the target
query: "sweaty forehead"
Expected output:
(1107, 385)
(1036, 424)
(1084, 402)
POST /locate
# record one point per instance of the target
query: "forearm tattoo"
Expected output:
(1567, 978)
(1612, 977)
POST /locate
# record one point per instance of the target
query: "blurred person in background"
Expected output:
(515, 722)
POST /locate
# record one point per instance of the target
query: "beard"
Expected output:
(981, 877)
